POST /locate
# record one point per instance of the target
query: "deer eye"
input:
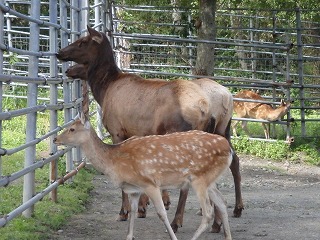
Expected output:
(71, 130)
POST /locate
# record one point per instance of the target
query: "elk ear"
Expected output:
(95, 35)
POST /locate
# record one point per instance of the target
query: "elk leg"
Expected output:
(134, 199)
(142, 209)
(235, 169)
(125, 208)
(144, 202)
(178, 217)
(166, 199)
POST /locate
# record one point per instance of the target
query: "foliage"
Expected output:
(278, 150)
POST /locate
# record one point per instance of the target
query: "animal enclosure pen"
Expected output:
(273, 51)
(33, 81)
(254, 49)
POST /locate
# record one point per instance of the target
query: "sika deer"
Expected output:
(135, 106)
(256, 110)
(147, 164)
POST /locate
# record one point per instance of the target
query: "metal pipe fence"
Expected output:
(34, 82)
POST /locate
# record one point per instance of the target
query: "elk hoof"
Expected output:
(237, 211)
(142, 213)
(174, 227)
(123, 215)
(167, 205)
(216, 227)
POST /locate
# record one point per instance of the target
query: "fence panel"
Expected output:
(264, 50)
(34, 90)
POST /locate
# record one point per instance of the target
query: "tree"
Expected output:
(207, 31)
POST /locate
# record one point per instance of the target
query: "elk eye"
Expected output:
(71, 129)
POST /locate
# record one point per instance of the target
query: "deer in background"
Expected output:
(257, 111)
(147, 164)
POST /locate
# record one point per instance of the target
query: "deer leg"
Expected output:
(166, 199)
(125, 208)
(178, 217)
(245, 127)
(142, 209)
(266, 129)
(216, 226)
(220, 206)
(234, 127)
(155, 196)
(202, 194)
(134, 199)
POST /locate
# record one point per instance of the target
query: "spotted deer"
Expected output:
(148, 164)
(257, 111)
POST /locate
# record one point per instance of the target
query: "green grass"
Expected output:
(302, 150)
(48, 216)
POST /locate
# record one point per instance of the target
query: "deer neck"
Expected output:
(98, 153)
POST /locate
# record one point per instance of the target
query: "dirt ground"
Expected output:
(282, 201)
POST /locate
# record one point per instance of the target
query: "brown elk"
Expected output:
(134, 106)
(257, 111)
(147, 164)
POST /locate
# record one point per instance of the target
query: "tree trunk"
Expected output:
(206, 31)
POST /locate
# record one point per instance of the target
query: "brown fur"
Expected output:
(133, 105)
(257, 111)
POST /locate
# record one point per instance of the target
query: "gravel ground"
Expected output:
(282, 201)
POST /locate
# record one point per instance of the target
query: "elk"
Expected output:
(257, 111)
(134, 106)
(147, 164)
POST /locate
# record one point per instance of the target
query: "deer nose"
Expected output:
(54, 140)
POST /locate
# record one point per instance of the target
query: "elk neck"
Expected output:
(101, 72)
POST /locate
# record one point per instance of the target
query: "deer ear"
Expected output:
(82, 118)
(95, 35)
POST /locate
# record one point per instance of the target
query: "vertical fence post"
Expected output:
(97, 19)
(84, 21)
(274, 63)
(1, 71)
(300, 71)
(76, 92)
(30, 153)
(66, 85)
(53, 12)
